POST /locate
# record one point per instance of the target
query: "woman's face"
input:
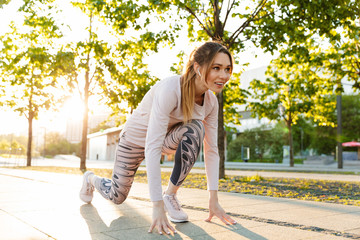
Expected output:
(219, 72)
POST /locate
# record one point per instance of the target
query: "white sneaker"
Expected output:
(173, 207)
(87, 189)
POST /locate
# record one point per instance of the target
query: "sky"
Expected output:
(159, 65)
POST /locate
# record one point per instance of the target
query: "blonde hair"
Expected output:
(204, 56)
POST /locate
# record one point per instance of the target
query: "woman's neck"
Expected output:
(199, 100)
(200, 88)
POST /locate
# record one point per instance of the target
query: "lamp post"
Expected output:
(301, 141)
(339, 131)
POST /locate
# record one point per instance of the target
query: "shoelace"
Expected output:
(174, 202)
(89, 189)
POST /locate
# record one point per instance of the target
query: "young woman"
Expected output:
(175, 116)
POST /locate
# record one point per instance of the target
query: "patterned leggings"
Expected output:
(183, 139)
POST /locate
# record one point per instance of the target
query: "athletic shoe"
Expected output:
(173, 207)
(87, 190)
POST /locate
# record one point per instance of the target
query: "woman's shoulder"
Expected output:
(171, 83)
(211, 97)
(171, 80)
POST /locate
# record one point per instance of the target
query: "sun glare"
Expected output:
(73, 109)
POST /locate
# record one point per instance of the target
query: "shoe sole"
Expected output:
(177, 220)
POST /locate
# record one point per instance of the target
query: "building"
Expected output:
(102, 145)
(247, 121)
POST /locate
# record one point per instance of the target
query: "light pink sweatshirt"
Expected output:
(159, 110)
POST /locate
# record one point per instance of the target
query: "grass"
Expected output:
(340, 192)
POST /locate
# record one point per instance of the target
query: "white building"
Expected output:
(102, 145)
(247, 121)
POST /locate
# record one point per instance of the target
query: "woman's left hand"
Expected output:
(216, 210)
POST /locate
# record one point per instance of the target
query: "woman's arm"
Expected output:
(212, 165)
(164, 101)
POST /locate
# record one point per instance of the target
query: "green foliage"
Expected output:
(302, 133)
(344, 53)
(351, 118)
(4, 145)
(278, 138)
(290, 22)
(56, 144)
(256, 139)
(264, 142)
(3, 2)
(323, 140)
(298, 85)
(102, 126)
(12, 145)
(267, 142)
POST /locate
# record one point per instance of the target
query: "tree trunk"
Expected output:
(29, 143)
(85, 123)
(221, 136)
(86, 105)
(291, 153)
(339, 131)
(218, 36)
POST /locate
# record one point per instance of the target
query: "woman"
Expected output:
(175, 116)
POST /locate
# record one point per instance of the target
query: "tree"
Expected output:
(57, 144)
(297, 86)
(26, 63)
(298, 26)
(90, 67)
(257, 139)
(323, 139)
(4, 146)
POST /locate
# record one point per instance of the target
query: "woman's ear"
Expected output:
(197, 68)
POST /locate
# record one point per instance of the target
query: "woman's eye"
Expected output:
(216, 68)
(227, 70)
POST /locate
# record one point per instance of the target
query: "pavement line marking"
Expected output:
(271, 221)
(21, 177)
(19, 219)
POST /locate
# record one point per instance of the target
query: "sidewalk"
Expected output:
(40, 205)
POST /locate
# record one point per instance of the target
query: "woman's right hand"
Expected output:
(159, 219)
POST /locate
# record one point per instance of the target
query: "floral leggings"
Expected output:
(183, 139)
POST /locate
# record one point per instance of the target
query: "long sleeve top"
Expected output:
(159, 110)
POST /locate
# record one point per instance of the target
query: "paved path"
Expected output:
(40, 205)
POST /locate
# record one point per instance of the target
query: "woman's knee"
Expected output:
(118, 198)
(197, 128)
